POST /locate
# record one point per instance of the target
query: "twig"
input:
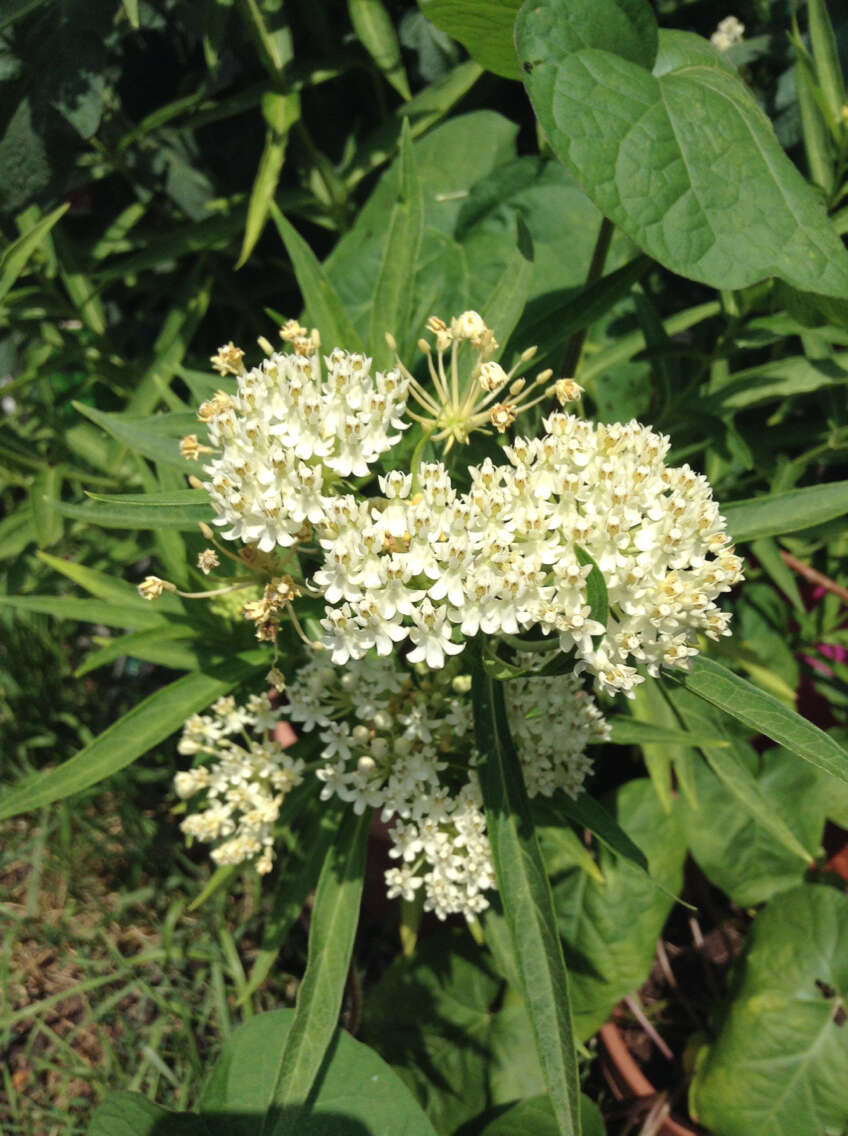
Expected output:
(639, 1014)
(814, 576)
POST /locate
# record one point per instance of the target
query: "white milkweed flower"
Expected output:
(412, 754)
(244, 784)
(423, 560)
(729, 32)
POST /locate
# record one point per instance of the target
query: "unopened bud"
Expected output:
(461, 684)
(391, 341)
(382, 720)
(195, 482)
(265, 345)
(567, 390)
(361, 735)
(151, 587)
(379, 748)
(527, 354)
(424, 346)
(543, 376)
(366, 765)
(517, 387)
(206, 531)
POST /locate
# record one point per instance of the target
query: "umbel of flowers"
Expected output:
(417, 560)
(409, 566)
(393, 738)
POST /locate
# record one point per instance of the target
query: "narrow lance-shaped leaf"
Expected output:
(281, 113)
(143, 727)
(335, 915)
(376, 32)
(502, 310)
(292, 893)
(733, 773)
(391, 308)
(765, 715)
(46, 491)
(786, 512)
(526, 897)
(323, 306)
(15, 255)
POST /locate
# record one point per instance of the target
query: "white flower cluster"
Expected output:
(729, 32)
(243, 786)
(290, 433)
(552, 721)
(427, 563)
(404, 744)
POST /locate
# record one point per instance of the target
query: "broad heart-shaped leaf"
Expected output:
(147, 724)
(483, 27)
(786, 512)
(526, 897)
(739, 855)
(779, 1066)
(683, 160)
(357, 1093)
(764, 714)
(131, 1114)
(439, 1019)
(535, 1117)
(609, 930)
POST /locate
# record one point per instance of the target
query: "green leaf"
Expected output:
(155, 438)
(109, 612)
(335, 915)
(131, 1114)
(184, 518)
(147, 724)
(780, 1062)
(292, 892)
(526, 897)
(610, 929)
(164, 500)
(504, 306)
(164, 645)
(586, 812)
(596, 587)
(484, 27)
(393, 295)
(826, 57)
(281, 112)
(375, 31)
(441, 1019)
(131, 9)
(683, 160)
(357, 1092)
(15, 256)
(108, 587)
(324, 308)
(732, 767)
(46, 491)
(765, 715)
(739, 855)
(11, 10)
(786, 512)
(535, 1117)
(651, 709)
(632, 731)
